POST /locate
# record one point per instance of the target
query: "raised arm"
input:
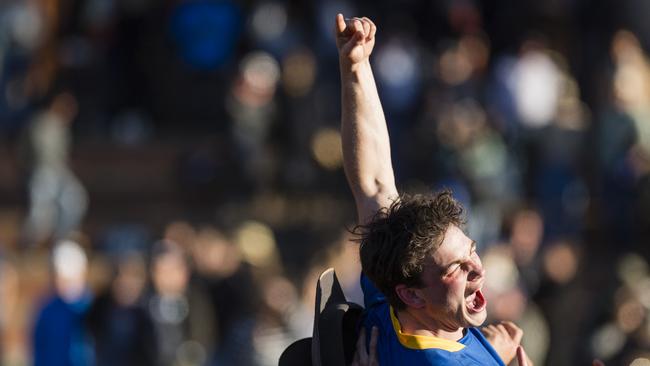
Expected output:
(366, 145)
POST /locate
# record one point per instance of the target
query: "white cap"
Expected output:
(69, 259)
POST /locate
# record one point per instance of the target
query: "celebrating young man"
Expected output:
(422, 278)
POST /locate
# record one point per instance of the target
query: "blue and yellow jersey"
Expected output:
(397, 348)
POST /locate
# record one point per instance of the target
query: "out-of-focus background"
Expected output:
(171, 180)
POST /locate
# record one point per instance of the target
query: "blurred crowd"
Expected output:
(171, 180)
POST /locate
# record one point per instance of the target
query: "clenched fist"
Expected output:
(505, 338)
(355, 39)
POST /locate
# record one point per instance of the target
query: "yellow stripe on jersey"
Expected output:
(422, 342)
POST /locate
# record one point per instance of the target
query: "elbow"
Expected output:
(380, 192)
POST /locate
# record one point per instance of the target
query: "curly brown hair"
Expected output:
(396, 242)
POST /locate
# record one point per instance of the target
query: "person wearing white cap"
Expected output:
(59, 336)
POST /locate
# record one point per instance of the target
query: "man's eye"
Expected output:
(453, 268)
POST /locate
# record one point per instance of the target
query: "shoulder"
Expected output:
(398, 349)
(52, 305)
(371, 294)
(479, 347)
(476, 334)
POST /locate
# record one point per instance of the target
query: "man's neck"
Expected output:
(416, 324)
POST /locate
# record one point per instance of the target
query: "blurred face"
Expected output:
(71, 288)
(129, 282)
(452, 281)
(66, 106)
(170, 274)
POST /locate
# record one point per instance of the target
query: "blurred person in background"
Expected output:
(57, 200)
(510, 301)
(252, 107)
(59, 335)
(122, 330)
(181, 311)
(275, 322)
(624, 138)
(269, 327)
(623, 338)
(8, 300)
(219, 267)
(21, 34)
(205, 32)
(299, 72)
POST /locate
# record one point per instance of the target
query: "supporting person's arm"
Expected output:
(505, 338)
(366, 356)
(366, 145)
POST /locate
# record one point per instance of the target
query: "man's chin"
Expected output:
(475, 319)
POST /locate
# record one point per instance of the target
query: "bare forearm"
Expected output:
(366, 144)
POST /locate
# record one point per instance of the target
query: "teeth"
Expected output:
(470, 299)
(473, 300)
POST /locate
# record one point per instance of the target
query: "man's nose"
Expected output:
(477, 272)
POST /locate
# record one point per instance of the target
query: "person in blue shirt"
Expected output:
(422, 278)
(60, 337)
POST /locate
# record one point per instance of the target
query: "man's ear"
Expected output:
(410, 296)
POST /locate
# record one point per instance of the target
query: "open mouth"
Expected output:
(476, 302)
